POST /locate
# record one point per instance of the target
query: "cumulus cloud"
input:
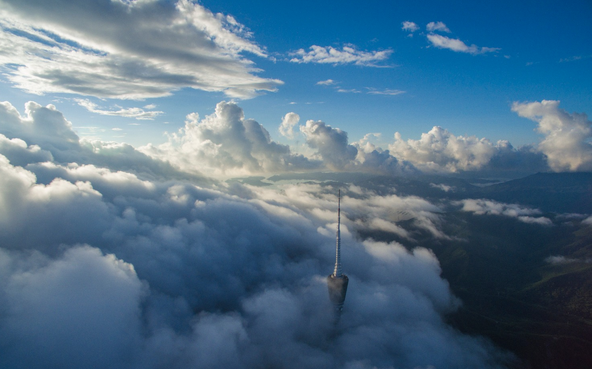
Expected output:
(226, 143)
(347, 55)
(490, 207)
(288, 122)
(409, 26)
(441, 150)
(437, 27)
(331, 143)
(443, 42)
(127, 50)
(136, 113)
(566, 143)
(43, 133)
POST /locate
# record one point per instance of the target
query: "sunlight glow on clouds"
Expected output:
(566, 142)
(288, 122)
(130, 50)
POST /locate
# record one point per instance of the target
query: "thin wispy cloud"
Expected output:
(347, 55)
(327, 82)
(443, 42)
(349, 90)
(136, 113)
(490, 207)
(390, 92)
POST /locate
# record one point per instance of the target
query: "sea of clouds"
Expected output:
(113, 256)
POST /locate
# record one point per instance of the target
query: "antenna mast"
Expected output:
(337, 272)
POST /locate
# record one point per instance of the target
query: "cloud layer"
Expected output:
(104, 267)
(127, 50)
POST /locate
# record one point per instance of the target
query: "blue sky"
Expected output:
(527, 51)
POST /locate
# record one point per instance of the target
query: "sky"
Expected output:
(125, 243)
(397, 66)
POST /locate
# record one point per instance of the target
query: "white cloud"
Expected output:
(225, 143)
(437, 26)
(331, 143)
(440, 150)
(347, 55)
(566, 143)
(136, 113)
(490, 207)
(130, 50)
(79, 309)
(48, 130)
(349, 91)
(443, 187)
(327, 82)
(387, 91)
(333, 148)
(409, 26)
(457, 45)
(288, 122)
(180, 270)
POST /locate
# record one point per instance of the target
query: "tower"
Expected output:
(337, 282)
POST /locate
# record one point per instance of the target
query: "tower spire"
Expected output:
(337, 272)
(337, 282)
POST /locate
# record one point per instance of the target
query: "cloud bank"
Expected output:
(441, 151)
(127, 50)
(103, 267)
(228, 144)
